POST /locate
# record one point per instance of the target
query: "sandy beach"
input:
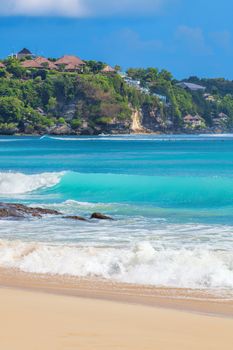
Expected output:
(38, 314)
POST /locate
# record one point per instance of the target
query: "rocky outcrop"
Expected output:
(12, 210)
(75, 217)
(63, 129)
(136, 126)
(69, 110)
(150, 119)
(154, 122)
(100, 216)
(20, 211)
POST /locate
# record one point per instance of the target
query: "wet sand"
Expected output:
(40, 312)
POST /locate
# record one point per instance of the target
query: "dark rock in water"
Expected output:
(21, 211)
(100, 216)
(12, 210)
(75, 217)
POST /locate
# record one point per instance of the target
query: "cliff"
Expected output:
(43, 101)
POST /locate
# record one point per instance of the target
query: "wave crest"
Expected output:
(18, 183)
(140, 264)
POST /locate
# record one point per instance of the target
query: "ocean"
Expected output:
(171, 198)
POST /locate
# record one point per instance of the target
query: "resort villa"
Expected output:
(108, 69)
(66, 63)
(24, 53)
(193, 122)
(70, 63)
(191, 86)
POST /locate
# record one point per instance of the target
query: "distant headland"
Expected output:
(70, 95)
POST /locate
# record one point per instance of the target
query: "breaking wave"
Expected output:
(159, 191)
(140, 264)
(18, 183)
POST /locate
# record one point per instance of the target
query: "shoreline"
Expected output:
(181, 132)
(193, 301)
(36, 317)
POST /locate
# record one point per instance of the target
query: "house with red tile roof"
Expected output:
(45, 63)
(2, 65)
(23, 54)
(71, 63)
(31, 64)
(193, 121)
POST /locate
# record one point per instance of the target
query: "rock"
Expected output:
(42, 211)
(12, 210)
(87, 131)
(21, 211)
(100, 216)
(75, 217)
(63, 129)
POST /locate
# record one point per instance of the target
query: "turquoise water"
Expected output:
(172, 197)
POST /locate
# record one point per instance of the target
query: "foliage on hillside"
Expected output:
(35, 100)
(39, 100)
(218, 97)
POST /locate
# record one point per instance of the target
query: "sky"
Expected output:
(185, 37)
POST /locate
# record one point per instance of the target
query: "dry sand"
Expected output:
(37, 319)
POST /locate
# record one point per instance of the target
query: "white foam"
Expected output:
(141, 264)
(151, 138)
(18, 183)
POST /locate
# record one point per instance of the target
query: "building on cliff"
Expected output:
(24, 53)
(193, 121)
(191, 86)
(108, 69)
(30, 64)
(45, 63)
(70, 63)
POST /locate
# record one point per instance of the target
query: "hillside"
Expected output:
(39, 96)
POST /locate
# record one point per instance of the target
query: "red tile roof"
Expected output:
(70, 60)
(2, 65)
(44, 62)
(72, 67)
(31, 64)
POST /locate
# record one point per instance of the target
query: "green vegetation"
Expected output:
(217, 98)
(39, 100)
(36, 100)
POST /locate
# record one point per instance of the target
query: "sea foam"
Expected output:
(18, 183)
(140, 263)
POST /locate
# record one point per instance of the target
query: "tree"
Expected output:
(165, 75)
(14, 67)
(52, 104)
(117, 68)
(94, 66)
(11, 109)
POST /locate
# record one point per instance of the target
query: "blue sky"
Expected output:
(184, 36)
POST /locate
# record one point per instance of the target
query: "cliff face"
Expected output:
(141, 121)
(154, 121)
(136, 125)
(145, 120)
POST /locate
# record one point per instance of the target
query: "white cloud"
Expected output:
(80, 8)
(41, 8)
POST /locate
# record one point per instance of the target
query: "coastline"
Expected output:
(62, 312)
(38, 314)
(137, 133)
(188, 300)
